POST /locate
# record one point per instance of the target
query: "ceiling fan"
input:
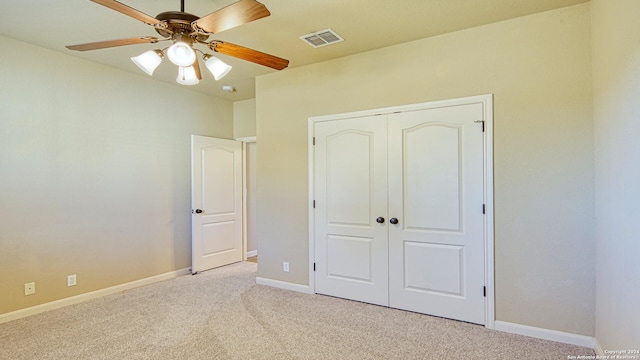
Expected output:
(185, 30)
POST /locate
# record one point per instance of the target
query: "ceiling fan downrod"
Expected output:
(181, 5)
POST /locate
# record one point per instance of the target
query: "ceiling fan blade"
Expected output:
(113, 43)
(228, 17)
(254, 56)
(196, 67)
(129, 11)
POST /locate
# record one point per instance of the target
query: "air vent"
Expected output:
(321, 38)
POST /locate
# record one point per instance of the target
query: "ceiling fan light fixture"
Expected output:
(181, 54)
(187, 75)
(185, 32)
(217, 67)
(148, 61)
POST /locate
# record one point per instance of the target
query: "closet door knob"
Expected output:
(393, 221)
(380, 220)
(198, 211)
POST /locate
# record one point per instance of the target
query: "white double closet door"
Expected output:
(399, 210)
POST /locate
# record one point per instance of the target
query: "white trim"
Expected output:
(546, 334)
(487, 102)
(244, 201)
(18, 314)
(597, 347)
(312, 222)
(284, 285)
(402, 108)
(252, 253)
(489, 239)
(247, 139)
(245, 233)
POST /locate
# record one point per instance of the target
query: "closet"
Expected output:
(399, 216)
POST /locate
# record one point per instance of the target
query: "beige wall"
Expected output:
(616, 79)
(94, 174)
(539, 69)
(244, 118)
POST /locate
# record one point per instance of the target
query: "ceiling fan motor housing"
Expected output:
(179, 23)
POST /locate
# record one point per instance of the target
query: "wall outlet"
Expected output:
(71, 280)
(30, 288)
(285, 266)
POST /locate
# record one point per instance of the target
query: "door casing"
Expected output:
(487, 103)
(245, 195)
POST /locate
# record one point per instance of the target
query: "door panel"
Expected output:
(351, 183)
(216, 182)
(216, 166)
(433, 268)
(218, 238)
(431, 171)
(436, 251)
(342, 264)
(348, 174)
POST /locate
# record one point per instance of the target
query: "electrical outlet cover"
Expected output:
(30, 288)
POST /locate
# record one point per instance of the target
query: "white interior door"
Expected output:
(436, 248)
(216, 199)
(351, 193)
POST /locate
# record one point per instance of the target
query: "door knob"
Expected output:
(393, 221)
(380, 220)
(198, 211)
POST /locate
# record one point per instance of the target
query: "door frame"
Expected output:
(245, 164)
(487, 106)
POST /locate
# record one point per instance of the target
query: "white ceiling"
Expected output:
(364, 24)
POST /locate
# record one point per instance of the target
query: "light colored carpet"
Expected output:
(223, 314)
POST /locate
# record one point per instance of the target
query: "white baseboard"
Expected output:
(18, 314)
(284, 285)
(546, 334)
(597, 347)
(252, 253)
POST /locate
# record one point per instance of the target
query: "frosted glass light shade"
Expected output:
(187, 75)
(148, 61)
(181, 54)
(217, 67)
